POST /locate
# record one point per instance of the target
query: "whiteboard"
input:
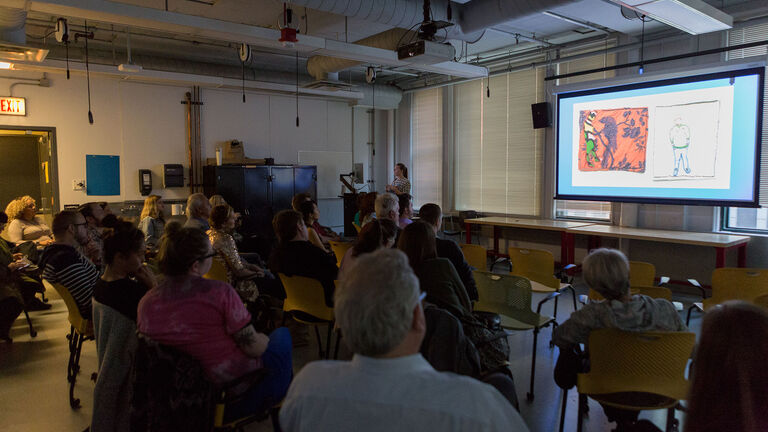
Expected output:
(329, 166)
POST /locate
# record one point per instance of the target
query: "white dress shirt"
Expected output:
(397, 394)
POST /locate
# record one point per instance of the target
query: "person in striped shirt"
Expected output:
(63, 263)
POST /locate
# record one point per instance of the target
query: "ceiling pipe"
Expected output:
(478, 15)
(12, 25)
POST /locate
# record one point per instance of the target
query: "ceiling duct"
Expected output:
(13, 38)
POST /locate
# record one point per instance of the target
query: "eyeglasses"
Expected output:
(205, 257)
(79, 224)
(422, 296)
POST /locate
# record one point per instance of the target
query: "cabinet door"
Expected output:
(229, 184)
(282, 187)
(305, 180)
(257, 213)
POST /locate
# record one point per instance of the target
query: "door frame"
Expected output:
(54, 168)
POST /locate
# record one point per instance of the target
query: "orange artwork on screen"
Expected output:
(613, 139)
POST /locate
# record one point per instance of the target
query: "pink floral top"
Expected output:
(199, 320)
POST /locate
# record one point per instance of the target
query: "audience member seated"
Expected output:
(728, 376)
(217, 200)
(310, 213)
(388, 207)
(207, 320)
(24, 225)
(436, 275)
(373, 236)
(607, 272)
(11, 302)
(405, 202)
(242, 275)
(63, 263)
(116, 297)
(358, 206)
(326, 234)
(152, 220)
(295, 255)
(388, 385)
(198, 212)
(446, 248)
(15, 281)
(93, 214)
(368, 208)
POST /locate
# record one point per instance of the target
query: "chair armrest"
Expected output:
(562, 275)
(696, 283)
(663, 280)
(549, 297)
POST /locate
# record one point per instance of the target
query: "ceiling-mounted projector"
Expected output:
(426, 52)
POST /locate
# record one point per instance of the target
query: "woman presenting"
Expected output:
(400, 184)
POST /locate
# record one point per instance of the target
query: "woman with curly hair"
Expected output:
(24, 225)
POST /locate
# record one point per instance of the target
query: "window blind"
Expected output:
(747, 34)
(427, 147)
(499, 155)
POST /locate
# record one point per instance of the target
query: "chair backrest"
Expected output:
(650, 291)
(81, 325)
(305, 295)
(218, 270)
(504, 294)
(762, 301)
(476, 255)
(641, 273)
(535, 264)
(730, 283)
(339, 249)
(650, 362)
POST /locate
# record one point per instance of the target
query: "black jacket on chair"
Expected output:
(451, 250)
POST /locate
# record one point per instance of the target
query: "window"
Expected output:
(597, 210)
(427, 147)
(498, 154)
(751, 219)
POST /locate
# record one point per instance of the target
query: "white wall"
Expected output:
(146, 126)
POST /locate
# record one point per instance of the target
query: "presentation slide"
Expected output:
(692, 140)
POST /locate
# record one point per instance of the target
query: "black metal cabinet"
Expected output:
(258, 192)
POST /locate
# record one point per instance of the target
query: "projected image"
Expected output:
(686, 141)
(613, 139)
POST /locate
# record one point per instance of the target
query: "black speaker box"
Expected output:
(541, 117)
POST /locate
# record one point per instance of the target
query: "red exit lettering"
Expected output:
(12, 106)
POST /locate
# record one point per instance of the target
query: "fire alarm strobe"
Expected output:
(288, 34)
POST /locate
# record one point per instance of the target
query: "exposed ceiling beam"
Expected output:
(175, 23)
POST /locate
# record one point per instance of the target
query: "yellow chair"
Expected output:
(357, 227)
(762, 301)
(218, 270)
(339, 249)
(636, 371)
(538, 266)
(476, 255)
(305, 301)
(641, 273)
(733, 283)
(510, 297)
(80, 330)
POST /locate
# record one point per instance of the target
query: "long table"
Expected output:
(721, 242)
(499, 222)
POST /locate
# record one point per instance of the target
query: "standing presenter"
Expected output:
(401, 184)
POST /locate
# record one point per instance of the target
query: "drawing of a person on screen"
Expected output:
(590, 138)
(680, 138)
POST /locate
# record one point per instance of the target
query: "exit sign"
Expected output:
(13, 106)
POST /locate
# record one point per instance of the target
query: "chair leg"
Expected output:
(328, 341)
(573, 293)
(319, 342)
(74, 360)
(336, 349)
(32, 331)
(529, 396)
(671, 420)
(562, 410)
(555, 315)
(580, 416)
(688, 318)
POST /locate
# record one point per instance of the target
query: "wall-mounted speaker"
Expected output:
(541, 115)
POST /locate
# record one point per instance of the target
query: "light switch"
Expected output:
(78, 185)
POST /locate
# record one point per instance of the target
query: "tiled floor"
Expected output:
(33, 386)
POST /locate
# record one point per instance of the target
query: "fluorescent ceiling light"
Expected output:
(5, 65)
(691, 16)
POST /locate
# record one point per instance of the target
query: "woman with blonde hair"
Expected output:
(24, 224)
(152, 220)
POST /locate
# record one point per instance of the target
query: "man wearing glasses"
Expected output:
(63, 263)
(388, 385)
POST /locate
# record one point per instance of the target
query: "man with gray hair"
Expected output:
(388, 207)
(388, 385)
(198, 212)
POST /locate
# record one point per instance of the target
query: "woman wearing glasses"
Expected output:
(24, 225)
(207, 320)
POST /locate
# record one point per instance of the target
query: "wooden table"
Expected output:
(498, 222)
(721, 242)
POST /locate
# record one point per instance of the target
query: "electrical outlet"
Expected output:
(78, 185)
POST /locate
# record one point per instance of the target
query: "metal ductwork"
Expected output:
(12, 23)
(320, 66)
(478, 15)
